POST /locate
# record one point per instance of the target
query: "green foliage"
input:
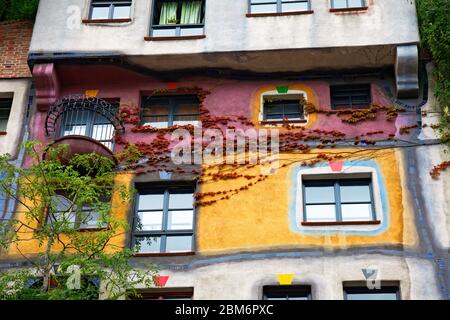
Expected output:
(18, 9)
(87, 183)
(434, 24)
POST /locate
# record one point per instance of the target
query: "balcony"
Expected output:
(85, 124)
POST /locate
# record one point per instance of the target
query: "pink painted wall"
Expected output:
(227, 98)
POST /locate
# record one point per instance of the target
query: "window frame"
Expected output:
(347, 7)
(164, 232)
(337, 198)
(6, 103)
(286, 290)
(173, 103)
(333, 104)
(279, 4)
(265, 113)
(112, 5)
(173, 293)
(178, 27)
(355, 289)
(90, 123)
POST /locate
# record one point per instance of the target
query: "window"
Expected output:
(350, 96)
(163, 112)
(86, 122)
(387, 292)
(64, 210)
(110, 9)
(164, 294)
(5, 110)
(176, 18)
(4, 199)
(340, 4)
(278, 6)
(164, 220)
(283, 107)
(294, 292)
(338, 200)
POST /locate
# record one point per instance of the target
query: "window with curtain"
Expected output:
(279, 6)
(178, 18)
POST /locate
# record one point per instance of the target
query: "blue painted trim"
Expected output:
(294, 223)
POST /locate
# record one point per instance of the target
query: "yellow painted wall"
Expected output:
(258, 218)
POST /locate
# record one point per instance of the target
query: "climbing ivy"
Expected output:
(18, 9)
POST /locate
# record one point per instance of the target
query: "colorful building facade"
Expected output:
(350, 210)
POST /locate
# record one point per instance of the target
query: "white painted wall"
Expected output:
(244, 280)
(19, 88)
(58, 28)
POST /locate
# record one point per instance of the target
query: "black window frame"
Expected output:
(173, 102)
(111, 4)
(350, 289)
(336, 183)
(5, 104)
(279, 4)
(303, 291)
(178, 27)
(164, 232)
(363, 5)
(350, 91)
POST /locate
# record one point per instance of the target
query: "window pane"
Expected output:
(3, 124)
(184, 32)
(264, 8)
(355, 193)
(289, 7)
(179, 244)
(319, 194)
(100, 13)
(356, 212)
(121, 12)
(339, 4)
(181, 200)
(149, 244)
(103, 132)
(157, 122)
(166, 32)
(79, 130)
(89, 220)
(320, 213)
(148, 221)
(151, 202)
(180, 220)
(187, 108)
(372, 296)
